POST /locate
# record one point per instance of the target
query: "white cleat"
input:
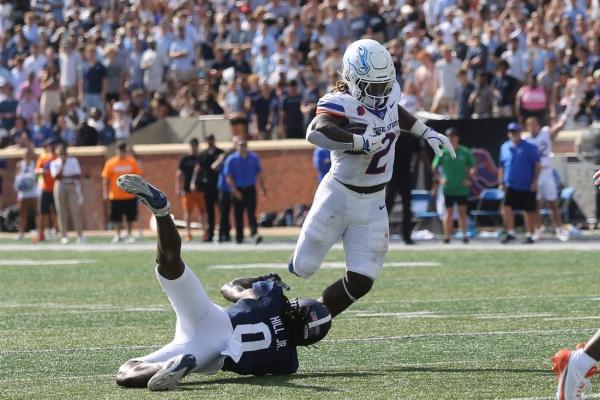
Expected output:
(572, 385)
(172, 372)
(151, 197)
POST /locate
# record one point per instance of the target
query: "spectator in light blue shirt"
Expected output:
(242, 171)
(321, 162)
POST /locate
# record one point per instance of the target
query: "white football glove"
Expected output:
(437, 141)
(369, 142)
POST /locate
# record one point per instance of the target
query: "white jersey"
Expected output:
(364, 169)
(543, 141)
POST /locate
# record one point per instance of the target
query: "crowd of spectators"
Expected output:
(91, 72)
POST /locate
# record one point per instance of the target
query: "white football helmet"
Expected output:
(369, 72)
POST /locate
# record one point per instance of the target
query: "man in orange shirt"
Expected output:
(47, 210)
(121, 204)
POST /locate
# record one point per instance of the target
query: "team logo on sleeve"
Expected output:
(360, 110)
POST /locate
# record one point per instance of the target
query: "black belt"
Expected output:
(365, 189)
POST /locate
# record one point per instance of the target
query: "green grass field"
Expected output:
(480, 325)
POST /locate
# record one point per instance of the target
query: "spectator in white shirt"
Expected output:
(69, 61)
(516, 59)
(68, 197)
(36, 61)
(446, 84)
(263, 38)
(153, 68)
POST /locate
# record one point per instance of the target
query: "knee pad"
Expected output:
(356, 285)
(303, 267)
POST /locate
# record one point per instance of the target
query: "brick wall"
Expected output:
(289, 175)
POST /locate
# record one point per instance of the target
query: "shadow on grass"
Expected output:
(288, 381)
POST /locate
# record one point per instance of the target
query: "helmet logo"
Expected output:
(363, 65)
(360, 110)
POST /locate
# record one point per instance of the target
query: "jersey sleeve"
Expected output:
(332, 104)
(267, 288)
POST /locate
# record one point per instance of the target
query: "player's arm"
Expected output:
(241, 288)
(326, 131)
(436, 140)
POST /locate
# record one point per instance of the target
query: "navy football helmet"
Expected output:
(310, 321)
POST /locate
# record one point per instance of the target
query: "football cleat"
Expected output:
(172, 372)
(151, 197)
(572, 385)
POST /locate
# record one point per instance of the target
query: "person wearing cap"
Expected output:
(190, 187)
(68, 197)
(518, 177)
(243, 171)
(122, 205)
(209, 178)
(454, 175)
(46, 210)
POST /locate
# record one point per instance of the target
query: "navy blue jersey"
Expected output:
(259, 325)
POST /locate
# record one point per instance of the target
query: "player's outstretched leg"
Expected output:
(165, 370)
(574, 367)
(168, 251)
(342, 293)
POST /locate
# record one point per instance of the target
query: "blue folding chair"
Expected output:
(420, 206)
(493, 199)
(565, 198)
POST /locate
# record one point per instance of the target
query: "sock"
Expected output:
(528, 235)
(511, 232)
(582, 361)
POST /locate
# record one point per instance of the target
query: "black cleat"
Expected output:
(507, 238)
(151, 197)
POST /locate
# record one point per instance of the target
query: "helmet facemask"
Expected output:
(308, 325)
(375, 94)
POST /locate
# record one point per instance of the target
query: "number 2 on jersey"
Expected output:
(374, 168)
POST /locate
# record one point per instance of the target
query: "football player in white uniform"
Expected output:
(543, 137)
(350, 201)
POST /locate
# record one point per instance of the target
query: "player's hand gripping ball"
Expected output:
(366, 141)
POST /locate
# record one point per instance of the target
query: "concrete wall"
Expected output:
(287, 165)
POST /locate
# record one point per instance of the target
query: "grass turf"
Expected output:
(481, 325)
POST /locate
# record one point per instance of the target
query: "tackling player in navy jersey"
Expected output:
(258, 335)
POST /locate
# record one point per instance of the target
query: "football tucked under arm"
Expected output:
(337, 134)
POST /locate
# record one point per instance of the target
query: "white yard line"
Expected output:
(416, 314)
(458, 334)
(587, 245)
(325, 265)
(79, 349)
(25, 261)
(581, 318)
(334, 341)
